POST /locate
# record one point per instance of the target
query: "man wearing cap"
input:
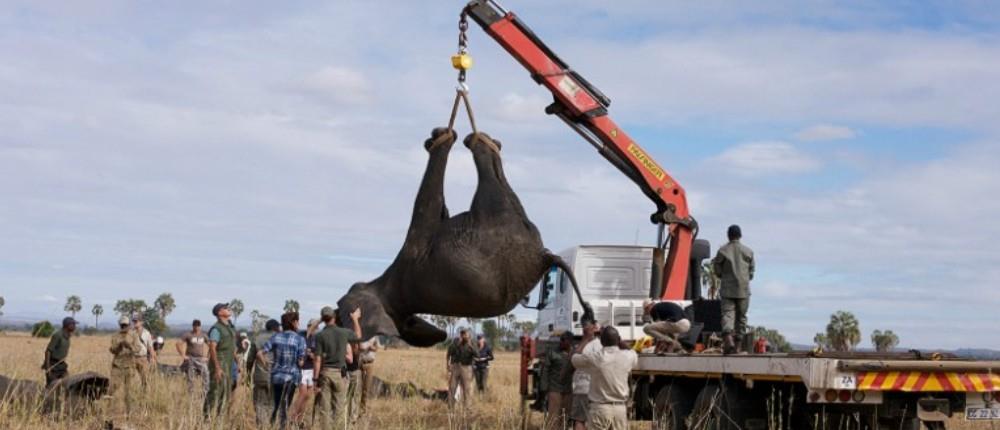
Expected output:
(55, 366)
(146, 353)
(333, 353)
(260, 367)
(734, 265)
(482, 366)
(461, 355)
(193, 349)
(221, 359)
(667, 322)
(124, 346)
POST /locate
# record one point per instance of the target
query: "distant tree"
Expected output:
(884, 341)
(236, 307)
(452, 324)
(164, 305)
(2, 302)
(821, 341)
(257, 321)
(153, 321)
(130, 307)
(491, 331)
(527, 327)
(774, 338)
(710, 281)
(97, 310)
(42, 329)
(473, 324)
(843, 332)
(73, 305)
(291, 305)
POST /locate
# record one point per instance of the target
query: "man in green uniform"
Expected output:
(260, 368)
(557, 381)
(124, 345)
(461, 355)
(221, 359)
(55, 354)
(734, 265)
(333, 353)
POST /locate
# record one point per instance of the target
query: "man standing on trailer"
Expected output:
(734, 265)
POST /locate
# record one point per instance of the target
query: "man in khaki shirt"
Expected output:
(609, 370)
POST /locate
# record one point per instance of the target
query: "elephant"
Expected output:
(69, 396)
(479, 263)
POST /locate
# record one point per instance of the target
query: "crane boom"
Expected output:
(585, 109)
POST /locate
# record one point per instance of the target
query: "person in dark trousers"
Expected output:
(482, 365)
(288, 352)
(263, 401)
(54, 365)
(667, 323)
(557, 381)
(221, 359)
(734, 265)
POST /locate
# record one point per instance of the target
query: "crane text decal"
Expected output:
(647, 162)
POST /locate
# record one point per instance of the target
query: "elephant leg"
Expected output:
(429, 208)
(493, 193)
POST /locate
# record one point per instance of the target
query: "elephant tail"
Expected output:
(557, 261)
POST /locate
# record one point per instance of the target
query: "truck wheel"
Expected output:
(717, 408)
(671, 407)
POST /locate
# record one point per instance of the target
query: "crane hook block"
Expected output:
(461, 61)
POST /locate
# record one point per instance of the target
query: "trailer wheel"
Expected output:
(671, 407)
(717, 408)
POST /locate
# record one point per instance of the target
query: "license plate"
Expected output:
(976, 414)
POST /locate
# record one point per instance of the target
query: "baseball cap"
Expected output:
(123, 320)
(218, 307)
(68, 321)
(327, 312)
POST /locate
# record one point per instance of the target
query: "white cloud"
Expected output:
(341, 84)
(766, 158)
(822, 132)
(520, 108)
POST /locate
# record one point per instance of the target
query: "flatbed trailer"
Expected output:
(809, 390)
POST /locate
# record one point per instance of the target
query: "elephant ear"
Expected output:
(374, 318)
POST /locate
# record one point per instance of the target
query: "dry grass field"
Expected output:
(167, 405)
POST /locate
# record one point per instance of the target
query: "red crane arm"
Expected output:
(584, 108)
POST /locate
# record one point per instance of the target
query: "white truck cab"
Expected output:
(614, 279)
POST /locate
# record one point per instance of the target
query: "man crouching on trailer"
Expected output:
(668, 324)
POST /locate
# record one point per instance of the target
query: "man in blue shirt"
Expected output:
(288, 351)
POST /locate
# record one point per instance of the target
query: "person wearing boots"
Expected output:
(734, 264)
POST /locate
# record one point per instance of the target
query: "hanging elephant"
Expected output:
(479, 263)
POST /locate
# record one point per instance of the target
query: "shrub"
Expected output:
(42, 329)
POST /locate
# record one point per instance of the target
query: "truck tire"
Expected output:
(717, 408)
(700, 250)
(671, 407)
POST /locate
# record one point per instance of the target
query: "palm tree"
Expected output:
(843, 332)
(236, 307)
(164, 305)
(73, 305)
(291, 305)
(2, 302)
(710, 281)
(97, 310)
(821, 341)
(884, 341)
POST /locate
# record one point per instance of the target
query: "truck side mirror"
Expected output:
(548, 285)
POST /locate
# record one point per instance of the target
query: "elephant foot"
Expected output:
(417, 332)
(375, 319)
(484, 139)
(440, 136)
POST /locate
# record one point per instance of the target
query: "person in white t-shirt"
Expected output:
(146, 355)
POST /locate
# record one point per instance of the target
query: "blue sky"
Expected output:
(272, 151)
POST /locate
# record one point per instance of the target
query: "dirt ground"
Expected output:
(167, 405)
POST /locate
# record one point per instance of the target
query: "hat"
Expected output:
(68, 321)
(479, 336)
(123, 320)
(218, 307)
(243, 334)
(327, 312)
(136, 317)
